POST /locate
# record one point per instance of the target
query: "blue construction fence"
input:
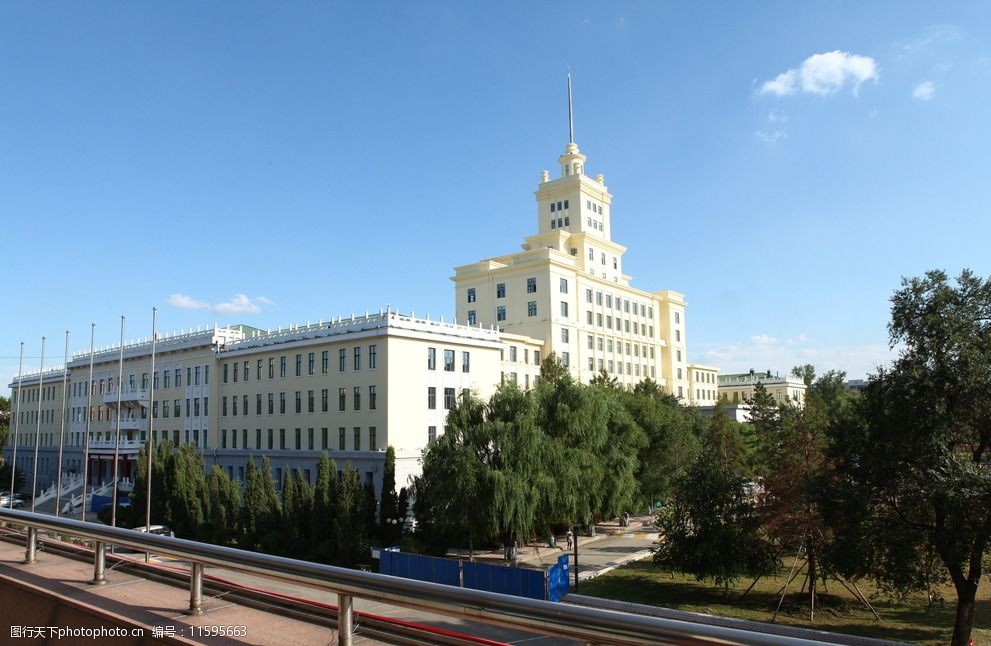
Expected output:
(548, 585)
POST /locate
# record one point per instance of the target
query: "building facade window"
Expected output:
(372, 356)
(431, 358)
(341, 399)
(472, 317)
(501, 313)
(449, 397)
(500, 290)
(357, 358)
(372, 398)
(531, 285)
(431, 397)
(471, 294)
(564, 285)
(465, 361)
(531, 308)
(448, 360)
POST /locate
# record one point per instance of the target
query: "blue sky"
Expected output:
(781, 164)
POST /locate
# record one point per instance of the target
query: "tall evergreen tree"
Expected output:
(159, 496)
(351, 518)
(223, 505)
(270, 516)
(185, 487)
(323, 529)
(390, 527)
(297, 513)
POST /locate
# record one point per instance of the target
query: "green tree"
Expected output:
(792, 473)
(453, 498)
(711, 526)
(297, 514)
(389, 529)
(915, 474)
(574, 417)
(671, 440)
(260, 511)
(513, 460)
(351, 519)
(184, 483)
(323, 530)
(806, 372)
(223, 506)
(4, 424)
(159, 497)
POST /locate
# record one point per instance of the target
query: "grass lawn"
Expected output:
(908, 620)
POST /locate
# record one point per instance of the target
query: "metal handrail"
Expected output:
(557, 619)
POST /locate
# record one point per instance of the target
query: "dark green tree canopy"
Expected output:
(915, 472)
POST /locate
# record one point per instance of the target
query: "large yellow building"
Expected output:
(568, 289)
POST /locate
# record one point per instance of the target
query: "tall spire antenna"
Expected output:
(571, 118)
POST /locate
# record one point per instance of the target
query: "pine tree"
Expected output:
(224, 506)
(323, 529)
(390, 528)
(270, 513)
(351, 518)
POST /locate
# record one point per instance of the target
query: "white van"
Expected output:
(160, 530)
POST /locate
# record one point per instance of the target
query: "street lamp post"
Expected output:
(575, 534)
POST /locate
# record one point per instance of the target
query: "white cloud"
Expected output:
(784, 84)
(238, 304)
(766, 352)
(184, 302)
(776, 116)
(924, 91)
(824, 74)
(775, 129)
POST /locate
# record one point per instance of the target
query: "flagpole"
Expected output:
(61, 432)
(17, 414)
(571, 119)
(150, 444)
(37, 431)
(120, 378)
(89, 415)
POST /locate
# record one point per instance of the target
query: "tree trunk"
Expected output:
(964, 620)
(813, 574)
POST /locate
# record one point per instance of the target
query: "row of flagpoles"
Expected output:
(88, 416)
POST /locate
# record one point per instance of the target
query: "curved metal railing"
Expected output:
(590, 625)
